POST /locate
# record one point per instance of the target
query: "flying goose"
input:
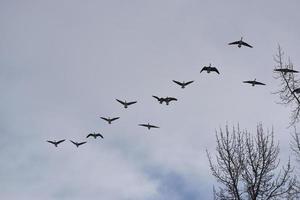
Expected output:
(297, 90)
(149, 126)
(95, 135)
(169, 99)
(126, 104)
(160, 99)
(240, 43)
(77, 143)
(286, 70)
(109, 120)
(209, 69)
(183, 84)
(55, 142)
(254, 82)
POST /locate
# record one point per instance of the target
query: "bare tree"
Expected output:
(247, 167)
(289, 82)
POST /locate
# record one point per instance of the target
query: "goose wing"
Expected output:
(233, 43)
(52, 142)
(153, 126)
(156, 97)
(145, 125)
(115, 118)
(215, 70)
(258, 83)
(204, 69)
(60, 141)
(104, 118)
(81, 143)
(159, 98)
(132, 102)
(189, 82)
(90, 135)
(250, 82)
(98, 134)
(121, 102)
(293, 71)
(171, 99)
(246, 44)
(177, 82)
(75, 143)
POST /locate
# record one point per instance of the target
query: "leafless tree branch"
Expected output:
(247, 167)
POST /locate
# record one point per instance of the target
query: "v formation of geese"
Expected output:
(169, 99)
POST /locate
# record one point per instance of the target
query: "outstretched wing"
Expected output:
(81, 143)
(259, 83)
(60, 141)
(203, 69)
(51, 142)
(153, 126)
(171, 99)
(215, 70)
(145, 125)
(189, 82)
(98, 134)
(122, 102)
(89, 135)
(75, 143)
(156, 97)
(133, 102)
(104, 118)
(113, 119)
(177, 82)
(246, 44)
(251, 82)
(233, 43)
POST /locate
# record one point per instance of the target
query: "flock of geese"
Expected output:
(167, 100)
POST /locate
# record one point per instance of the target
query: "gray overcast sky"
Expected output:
(63, 63)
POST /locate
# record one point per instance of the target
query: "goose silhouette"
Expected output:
(55, 143)
(109, 120)
(95, 135)
(240, 43)
(126, 104)
(209, 69)
(254, 82)
(149, 126)
(183, 84)
(297, 90)
(77, 144)
(285, 70)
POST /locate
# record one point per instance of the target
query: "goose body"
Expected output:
(109, 120)
(183, 84)
(240, 43)
(149, 126)
(125, 103)
(77, 144)
(95, 135)
(254, 82)
(55, 143)
(209, 69)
